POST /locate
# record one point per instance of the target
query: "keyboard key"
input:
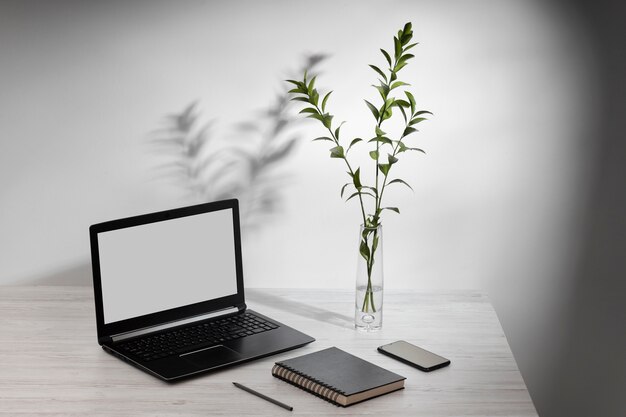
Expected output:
(196, 337)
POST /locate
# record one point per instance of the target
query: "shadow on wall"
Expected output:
(79, 274)
(589, 374)
(246, 165)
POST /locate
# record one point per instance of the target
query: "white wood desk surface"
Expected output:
(51, 364)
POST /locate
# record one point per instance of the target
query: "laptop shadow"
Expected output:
(299, 308)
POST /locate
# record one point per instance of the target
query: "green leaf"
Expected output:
(397, 84)
(327, 120)
(374, 155)
(366, 231)
(371, 188)
(387, 57)
(416, 149)
(306, 100)
(403, 112)
(422, 112)
(384, 168)
(337, 152)
(402, 103)
(337, 130)
(364, 250)
(354, 142)
(381, 139)
(294, 82)
(396, 209)
(371, 222)
(373, 109)
(404, 58)
(388, 113)
(378, 70)
(408, 130)
(410, 46)
(379, 132)
(309, 110)
(411, 100)
(383, 89)
(315, 96)
(400, 65)
(416, 121)
(311, 84)
(360, 193)
(356, 179)
(323, 138)
(399, 181)
(324, 100)
(407, 28)
(317, 116)
(397, 47)
(392, 159)
(406, 37)
(344, 188)
(403, 148)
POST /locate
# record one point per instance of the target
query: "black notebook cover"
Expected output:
(340, 371)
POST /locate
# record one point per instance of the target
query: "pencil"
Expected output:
(265, 397)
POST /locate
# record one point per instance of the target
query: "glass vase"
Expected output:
(369, 280)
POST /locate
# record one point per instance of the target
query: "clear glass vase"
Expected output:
(369, 280)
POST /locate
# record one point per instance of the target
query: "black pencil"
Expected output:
(265, 397)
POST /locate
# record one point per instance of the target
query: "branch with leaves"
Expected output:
(388, 86)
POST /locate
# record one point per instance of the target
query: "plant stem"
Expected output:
(379, 197)
(376, 206)
(395, 152)
(369, 291)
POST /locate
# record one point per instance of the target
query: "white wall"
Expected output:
(83, 87)
(497, 200)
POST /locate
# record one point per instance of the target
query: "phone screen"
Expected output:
(416, 355)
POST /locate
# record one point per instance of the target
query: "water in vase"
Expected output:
(368, 313)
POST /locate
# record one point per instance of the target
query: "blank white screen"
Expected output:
(158, 266)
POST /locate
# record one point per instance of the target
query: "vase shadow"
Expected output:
(300, 308)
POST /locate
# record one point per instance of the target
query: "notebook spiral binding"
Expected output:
(307, 383)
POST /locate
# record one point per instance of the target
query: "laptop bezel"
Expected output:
(106, 331)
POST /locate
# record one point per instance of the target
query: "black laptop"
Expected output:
(169, 293)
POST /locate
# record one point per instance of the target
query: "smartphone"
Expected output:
(415, 356)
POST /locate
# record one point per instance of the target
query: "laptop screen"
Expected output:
(158, 266)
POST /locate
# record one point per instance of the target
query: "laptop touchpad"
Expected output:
(212, 357)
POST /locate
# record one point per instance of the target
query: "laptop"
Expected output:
(169, 293)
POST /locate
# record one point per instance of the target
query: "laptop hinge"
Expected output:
(104, 340)
(146, 330)
(241, 307)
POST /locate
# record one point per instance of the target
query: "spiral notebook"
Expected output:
(337, 376)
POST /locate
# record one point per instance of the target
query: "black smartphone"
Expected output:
(415, 356)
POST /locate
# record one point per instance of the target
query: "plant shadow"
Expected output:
(300, 308)
(248, 163)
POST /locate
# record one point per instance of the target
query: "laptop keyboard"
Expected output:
(189, 339)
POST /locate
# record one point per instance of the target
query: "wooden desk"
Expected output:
(50, 362)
